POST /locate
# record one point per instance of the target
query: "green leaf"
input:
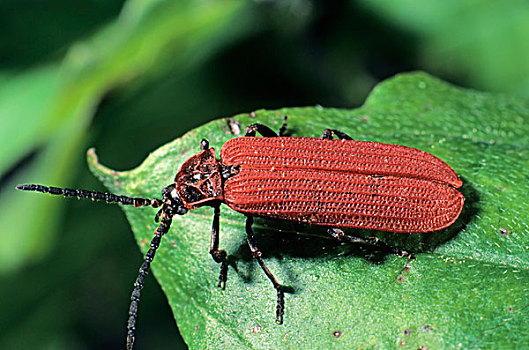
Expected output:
(467, 287)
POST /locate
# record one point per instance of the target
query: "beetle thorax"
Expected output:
(199, 179)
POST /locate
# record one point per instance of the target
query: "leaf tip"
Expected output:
(99, 170)
(91, 155)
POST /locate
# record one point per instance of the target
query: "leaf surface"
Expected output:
(468, 286)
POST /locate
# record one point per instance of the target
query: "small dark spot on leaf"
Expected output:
(337, 334)
(504, 231)
(407, 331)
(257, 329)
(427, 328)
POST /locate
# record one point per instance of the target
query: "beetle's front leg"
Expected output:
(218, 255)
(256, 253)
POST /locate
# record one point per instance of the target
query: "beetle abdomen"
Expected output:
(341, 183)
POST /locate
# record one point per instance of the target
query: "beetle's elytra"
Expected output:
(320, 181)
(329, 182)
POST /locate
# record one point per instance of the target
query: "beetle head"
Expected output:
(199, 179)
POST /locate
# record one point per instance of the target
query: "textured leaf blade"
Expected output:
(466, 286)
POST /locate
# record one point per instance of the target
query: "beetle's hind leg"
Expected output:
(218, 255)
(265, 131)
(328, 134)
(341, 236)
(256, 253)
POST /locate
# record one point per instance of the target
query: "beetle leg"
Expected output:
(218, 255)
(265, 131)
(328, 134)
(341, 236)
(261, 129)
(283, 127)
(256, 253)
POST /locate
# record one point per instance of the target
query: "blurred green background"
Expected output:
(128, 76)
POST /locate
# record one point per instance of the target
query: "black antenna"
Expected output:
(166, 219)
(93, 195)
(169, 207)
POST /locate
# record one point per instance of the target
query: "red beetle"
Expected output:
(319, 181)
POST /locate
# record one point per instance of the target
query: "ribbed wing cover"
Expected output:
(341, 183)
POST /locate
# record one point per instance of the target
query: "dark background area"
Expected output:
(69, 288)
